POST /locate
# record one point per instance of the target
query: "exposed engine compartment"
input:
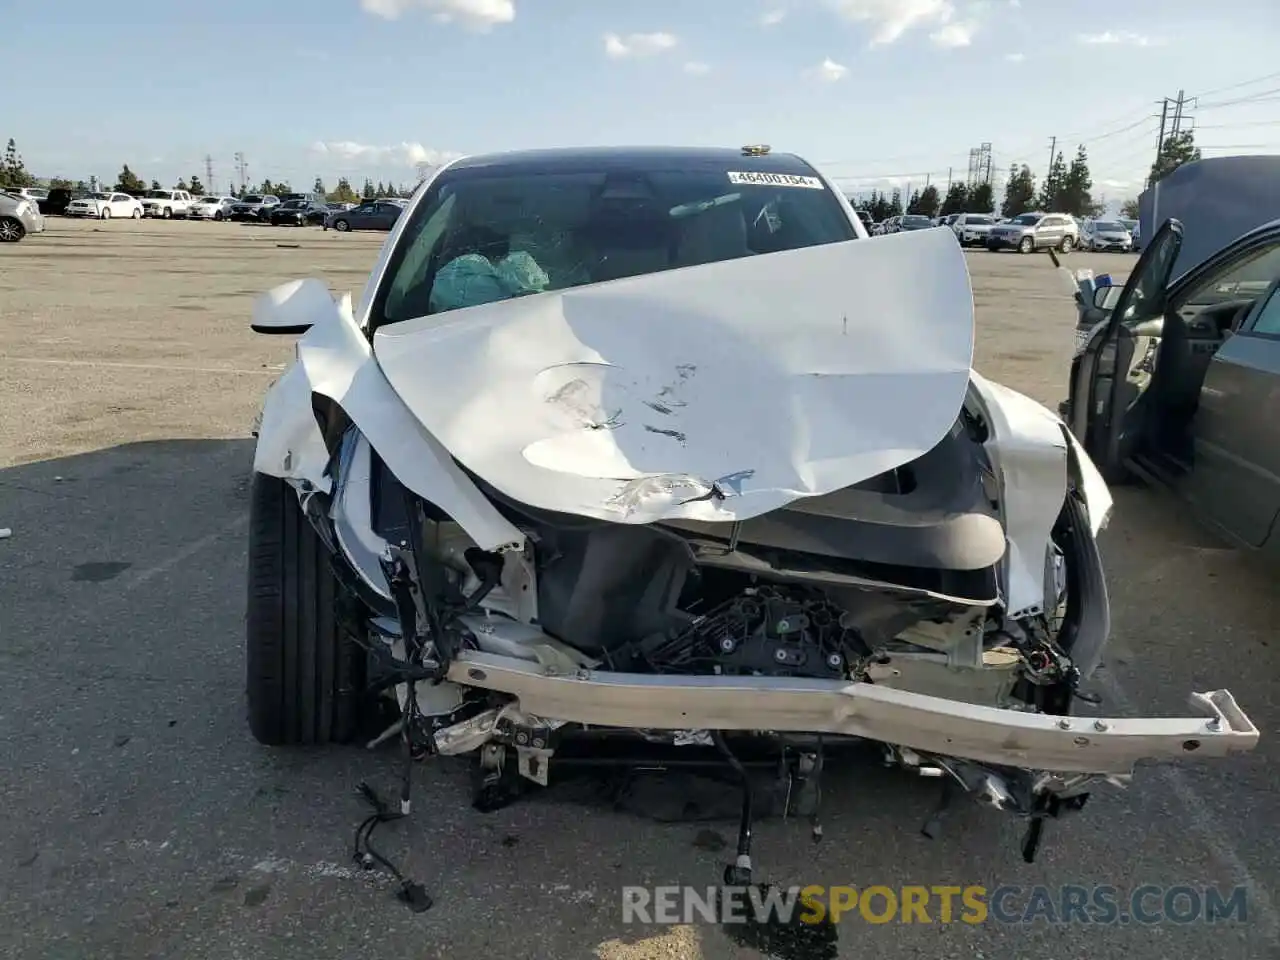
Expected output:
(813, 590)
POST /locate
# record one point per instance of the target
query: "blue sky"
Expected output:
(877, 91)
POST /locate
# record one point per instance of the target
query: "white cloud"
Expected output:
(1015, 57)
(829, 71)
(957, 34)
(1122, 38)
(638, 44)
(772, 17)
(697, 68)
(890, 19)
(475, 14)
(399, 155)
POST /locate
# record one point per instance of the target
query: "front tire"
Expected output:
(137, 214)
(105, 214)
(168, 214)
(1066, 245)
(11, 230)
(305, 671)
(1027, 245)
(342, 226)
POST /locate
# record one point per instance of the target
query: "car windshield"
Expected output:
(252, 198)
(1129, 224)
(970, 220)
(295, 205)
(159, 194)
(1027, 219)
(37, 193)
(1247, 278)
(99, 196)
(914, 219)
(1108, 226)
(488, 233)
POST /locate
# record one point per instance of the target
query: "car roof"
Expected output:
(595, 159)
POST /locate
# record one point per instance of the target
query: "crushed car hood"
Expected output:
(717, 392)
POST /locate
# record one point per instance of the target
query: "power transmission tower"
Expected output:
(1177, 113)
(242, 168)
(208, 173)
(1053, 152)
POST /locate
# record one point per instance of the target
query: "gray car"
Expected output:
(1100, 235)
(369, 215)
(1029, 232)
(19, 216)
(1176, 382)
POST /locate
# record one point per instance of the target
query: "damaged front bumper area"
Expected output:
(924, 724)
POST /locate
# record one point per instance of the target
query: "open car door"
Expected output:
(1117, 368)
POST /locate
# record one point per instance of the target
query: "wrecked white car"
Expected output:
(626, 450)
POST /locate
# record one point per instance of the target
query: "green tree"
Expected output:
(267, 187)
(318, 188)
(182, 185)
(1129, 209)
(981, 199)
(368, 192)
(155, 185)
(1019, 191)
(895, 203)
(130, 182)
(59, 183)
(1055, 181)
(913, 202)
(1076, 197)
(379, 191)
(1176, 150)
(954, 201)
(81, 186)
(342, 193)
(197, 186)
(282, 187)
(928, 202)
(13, 172)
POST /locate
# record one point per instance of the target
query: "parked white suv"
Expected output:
(973, 228)
(166, 204)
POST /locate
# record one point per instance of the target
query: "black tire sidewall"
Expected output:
(304, 671)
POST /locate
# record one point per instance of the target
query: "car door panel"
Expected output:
(1236, 430)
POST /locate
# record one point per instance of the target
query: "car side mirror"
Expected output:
(292, 307)
(1104, 298)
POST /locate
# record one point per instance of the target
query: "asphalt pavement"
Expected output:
(142, 821)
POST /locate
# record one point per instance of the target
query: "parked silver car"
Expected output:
(1029, 232)
(1099, 235)
(19, 216)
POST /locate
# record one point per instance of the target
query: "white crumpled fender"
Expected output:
(717, 392)
(1034, 455)
(334, 360)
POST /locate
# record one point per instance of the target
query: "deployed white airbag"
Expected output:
(715, 392)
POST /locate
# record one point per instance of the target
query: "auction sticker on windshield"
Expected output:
(758, 178)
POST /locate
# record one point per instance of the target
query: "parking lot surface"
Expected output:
(142, 821)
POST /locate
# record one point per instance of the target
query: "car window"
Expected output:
(483, 234)
(1243, 278)
(1268, 319)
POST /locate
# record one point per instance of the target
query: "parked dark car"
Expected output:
(319, 216)
(294, 213)
(55, 204)
(254, 207)
(915, 221)
(369, 215)
(1175, 382)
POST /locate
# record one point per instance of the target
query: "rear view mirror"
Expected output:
(1105, 297)
(291, 307)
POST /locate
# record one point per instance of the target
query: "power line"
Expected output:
(1236, 86)
(1260, 96)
